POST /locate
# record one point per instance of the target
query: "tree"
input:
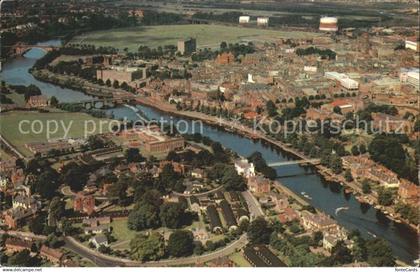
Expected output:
(340, 254)
(233, 181)
(147, 248)
(271, 108)
(55, 211)
(348, 176)
(335, 163)
(223, 45)
(133, 155)
(379, 253)
(181, 243)
(47, 184)
(366, 187)
(385, 197)
(23, 258)
(362, 149)
(171, 215)
(53, 101)
(37, 224)
(118, 190)
(75, 176)
(337, 110)
(143, 216)
(167, 178)
(259, 231)
(355, 150)
(116, 84)
(108, 82)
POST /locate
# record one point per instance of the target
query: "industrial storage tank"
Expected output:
(328, 24)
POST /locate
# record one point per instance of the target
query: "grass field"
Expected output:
(76, 122)
(207, 36)
(239, 260)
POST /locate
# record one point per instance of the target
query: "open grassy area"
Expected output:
(4, 155)
(206, 35)
(120, 230)
(76, 122)
(239, 260)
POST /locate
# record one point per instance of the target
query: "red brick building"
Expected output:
(84, 203)
(409, 192)
(225, 58)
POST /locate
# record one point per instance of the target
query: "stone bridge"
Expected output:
(99, 103)
(21, 49)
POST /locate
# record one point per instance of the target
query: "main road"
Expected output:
(107, 261)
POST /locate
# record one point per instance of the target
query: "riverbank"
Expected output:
(234, 127)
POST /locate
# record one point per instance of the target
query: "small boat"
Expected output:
(303, 193)
(348, 190)
(372, 234)
(307, 196)
(340, 209)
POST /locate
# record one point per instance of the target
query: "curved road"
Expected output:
(105, 260)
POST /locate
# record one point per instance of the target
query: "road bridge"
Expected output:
(282, 163)
(22, 48)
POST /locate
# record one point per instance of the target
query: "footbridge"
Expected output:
(282, 163)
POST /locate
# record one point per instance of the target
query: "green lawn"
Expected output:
(18, 99)
(77, 122)
(4, 155)
(206, 35)
(120, 230)
(239, 260)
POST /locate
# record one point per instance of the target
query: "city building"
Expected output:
(84, 203)
(258, 184)
(121, 74)
(328, 24)
(187, 47)
(412, 43)
(409, 192)
(318, 222)
(228, 215)
(225, 58)
(214, 219)
(362, 167)
(245, 168)
(261, 256)
(37, 101)
(343, 79)
(51, 254)
(262, 21)
(99, 240)
(244, 19)
(151, 140)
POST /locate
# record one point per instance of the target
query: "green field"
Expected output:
(206, 35)
(76, 122)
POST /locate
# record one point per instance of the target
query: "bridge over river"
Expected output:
(282, 163)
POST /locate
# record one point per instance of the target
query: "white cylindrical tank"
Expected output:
(328, 24)
(244, 19)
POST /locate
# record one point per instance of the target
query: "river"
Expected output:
(323, 195)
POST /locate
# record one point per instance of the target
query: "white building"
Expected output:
(262, 21)
(344, 80)
(410, 76)
(99, 240)
(328, 24)
(411, 44)
(245, 168)
(311, 69)
(244, 19)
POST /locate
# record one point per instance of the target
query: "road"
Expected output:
(199, 194)
(9, 145)
(23, 235)
(107, 261)
(253, 205)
